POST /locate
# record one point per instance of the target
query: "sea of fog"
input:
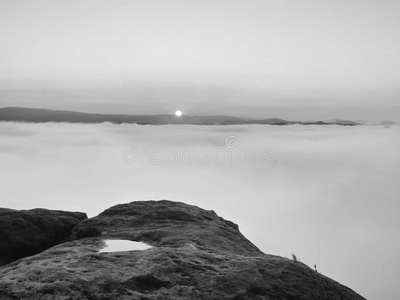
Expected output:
(329, 194)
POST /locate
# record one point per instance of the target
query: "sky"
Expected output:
(329, 194)
(306, 59)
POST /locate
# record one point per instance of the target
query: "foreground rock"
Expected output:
(28, 232)
(195, 255)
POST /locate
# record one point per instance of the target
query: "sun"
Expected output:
(178, 113)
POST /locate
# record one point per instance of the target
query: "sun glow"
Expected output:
(178, 113)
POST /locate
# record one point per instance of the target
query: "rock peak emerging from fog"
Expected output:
(195, 255)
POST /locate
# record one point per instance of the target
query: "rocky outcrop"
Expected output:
(195, 255)
(28, 232)
(167, 224)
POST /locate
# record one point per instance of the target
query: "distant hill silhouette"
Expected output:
(34, 115)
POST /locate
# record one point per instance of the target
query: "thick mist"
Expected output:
(329, 194)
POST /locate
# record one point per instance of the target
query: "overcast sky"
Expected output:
(323, 58)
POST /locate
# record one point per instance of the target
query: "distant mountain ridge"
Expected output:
(35, 115)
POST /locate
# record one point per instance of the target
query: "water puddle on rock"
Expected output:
(123, 245)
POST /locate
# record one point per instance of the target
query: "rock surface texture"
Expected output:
(28, 232)
(195, 255)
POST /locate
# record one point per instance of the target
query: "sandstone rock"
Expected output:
(28, 232)
(195, 255)
(166, 223)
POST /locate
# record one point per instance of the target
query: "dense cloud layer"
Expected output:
(329, 194)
